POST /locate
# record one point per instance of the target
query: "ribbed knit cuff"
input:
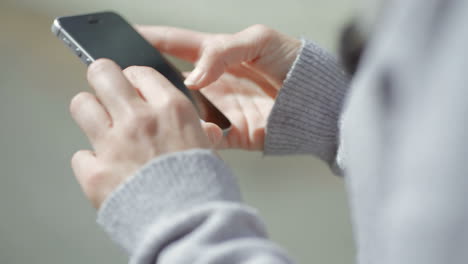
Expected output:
(166, 185)
(304, 119)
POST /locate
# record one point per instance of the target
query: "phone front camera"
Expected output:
(93, 20)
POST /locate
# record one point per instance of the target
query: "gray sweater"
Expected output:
(399, 137)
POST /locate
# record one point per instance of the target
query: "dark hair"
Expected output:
(351, 46)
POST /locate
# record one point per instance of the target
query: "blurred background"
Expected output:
(44, 216)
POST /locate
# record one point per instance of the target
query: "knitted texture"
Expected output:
(304, 119)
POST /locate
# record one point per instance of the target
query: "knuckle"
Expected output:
(175, 104)
(181, 104)
(143, 117)
(131, 70)
(97, 177)
(98, 185)
(163, 104)
(145, 70)
(76, 158)
(79, 100)
(166, 35)
(213, 50)
(138, 72)
(140, 121)
(262, 33)
(261, 29)
(93, 179)
(99, 66)
(217, 45)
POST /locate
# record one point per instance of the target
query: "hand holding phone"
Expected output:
(128, 127)
(242, 73)
(243, 94)
(243, 90)
(108, 35)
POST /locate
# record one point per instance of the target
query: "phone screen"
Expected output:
(108, 35)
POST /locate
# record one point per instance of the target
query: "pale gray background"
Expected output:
(44, 216)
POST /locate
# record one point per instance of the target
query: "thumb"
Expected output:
(222, 51)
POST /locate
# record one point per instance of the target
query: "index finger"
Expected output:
(182, 43)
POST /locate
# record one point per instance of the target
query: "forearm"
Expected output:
(183, 208)
(304, 119)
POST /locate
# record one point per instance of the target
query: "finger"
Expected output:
(112, 88)
(214, 133)
(182, 43)
(224, 51)
(90, 116)
(153, 86)
(83, 163)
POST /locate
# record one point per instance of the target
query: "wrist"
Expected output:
(304, 118)
(282, 52)
(292, 51)
(163, 187)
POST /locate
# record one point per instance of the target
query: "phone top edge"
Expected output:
(60, 29)
(56, 27)
(89, 14)
(63, 35)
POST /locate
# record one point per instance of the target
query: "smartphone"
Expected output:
(108, 35)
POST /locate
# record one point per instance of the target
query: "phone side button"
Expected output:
(67, 42)
(78, 52)
(87, 61)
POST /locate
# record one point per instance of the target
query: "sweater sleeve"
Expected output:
(186, 207)
(304, 118)
(405, 129)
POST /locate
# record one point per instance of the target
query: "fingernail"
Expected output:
(194, 77)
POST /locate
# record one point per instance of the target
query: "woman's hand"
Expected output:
(137, 115)
(240, 73)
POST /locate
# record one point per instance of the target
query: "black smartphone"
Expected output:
(108, 35)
